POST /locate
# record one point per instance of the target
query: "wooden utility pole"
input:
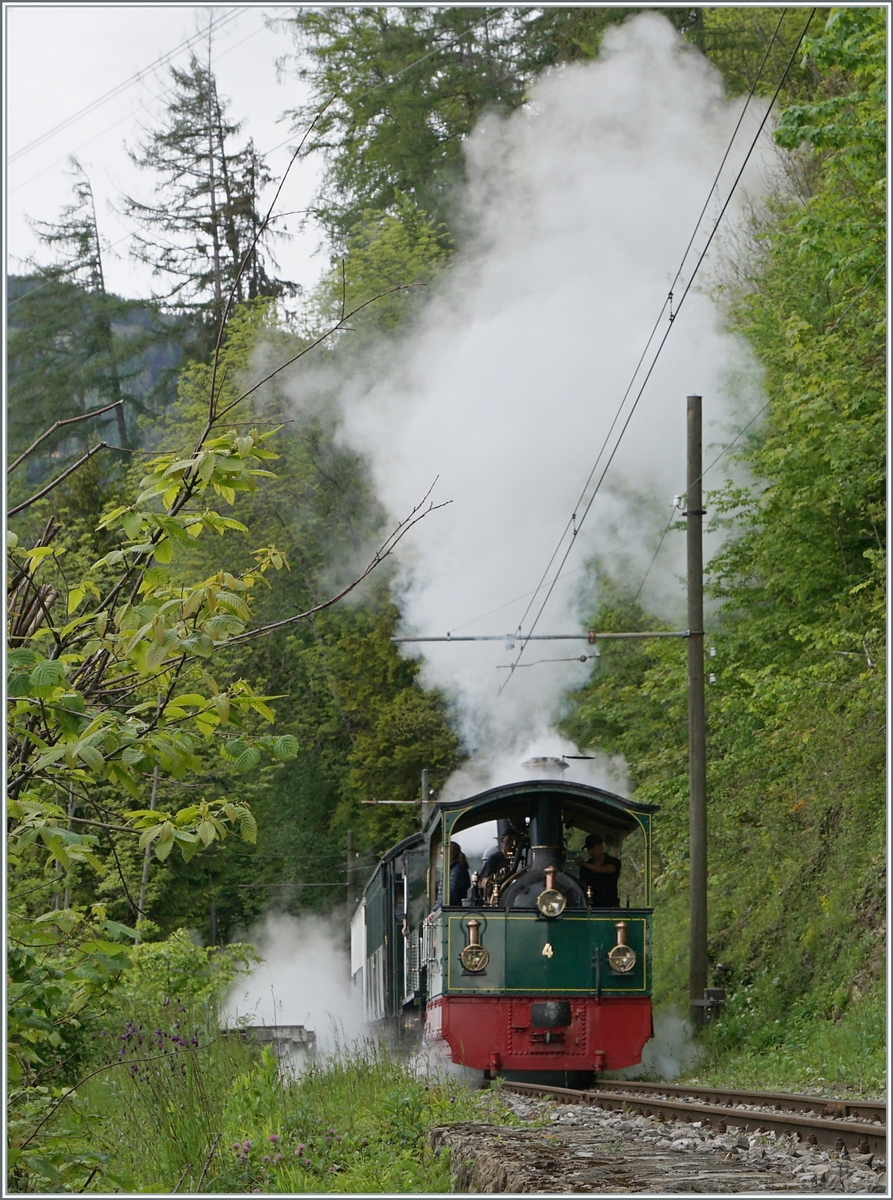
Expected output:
(697, 724)
(350, 862)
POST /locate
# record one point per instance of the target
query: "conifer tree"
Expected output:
(64, 357)
(203, 233)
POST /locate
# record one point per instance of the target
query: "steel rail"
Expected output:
(836, 1133)
(823, 1106)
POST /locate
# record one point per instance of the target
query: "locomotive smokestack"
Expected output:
(545, 767)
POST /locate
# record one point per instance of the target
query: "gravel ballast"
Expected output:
(561, 1148)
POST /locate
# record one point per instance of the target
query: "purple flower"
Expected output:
(266, 1158)
(246, 1146)
(237, 1145)
(299, 1149)
(274, 1138)
(277, 1158)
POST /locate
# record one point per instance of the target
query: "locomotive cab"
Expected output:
(535, 976)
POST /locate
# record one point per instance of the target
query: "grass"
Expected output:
(184, 1107)
(784, 1028)
(843, 1056)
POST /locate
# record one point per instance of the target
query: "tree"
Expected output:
(64, 357)
(403, 87)
(214, 241)
(399, 89)
(110, 686)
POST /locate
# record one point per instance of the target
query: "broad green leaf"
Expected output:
(207, 832)
(163, 849)
(247, 826)
(148, 836)
(22, 656)
(92, 757)
(133, 524)
(48, 673)
(248, 759)
(285, 747)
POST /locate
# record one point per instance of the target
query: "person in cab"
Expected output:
(497, 864)
(599, 873)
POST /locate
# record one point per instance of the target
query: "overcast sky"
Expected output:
(62, 58)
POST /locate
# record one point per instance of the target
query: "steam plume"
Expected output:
(578, 210)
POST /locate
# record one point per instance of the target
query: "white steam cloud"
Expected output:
(304, 979)
(578, 210)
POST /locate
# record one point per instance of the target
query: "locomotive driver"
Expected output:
(497, 863)
(599, 872)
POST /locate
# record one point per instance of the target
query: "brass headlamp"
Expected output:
(550, 902)
(474, 957)
(621, 957)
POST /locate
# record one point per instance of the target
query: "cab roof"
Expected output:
(584, 806)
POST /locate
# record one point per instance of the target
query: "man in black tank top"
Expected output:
(599, 873)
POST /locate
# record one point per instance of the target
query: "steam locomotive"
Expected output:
(534, 977)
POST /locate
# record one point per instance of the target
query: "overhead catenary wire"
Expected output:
(532, 594)
(744, 428)
(216, 24)
(574, 524)
(571, 524)
(706, 471)
(127, 117)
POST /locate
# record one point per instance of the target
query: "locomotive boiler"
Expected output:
(533, 974)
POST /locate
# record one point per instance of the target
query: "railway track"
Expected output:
(859, 1126)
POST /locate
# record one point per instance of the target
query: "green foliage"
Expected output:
(401, 250)
(396, 90)
(58, 965)
(840, 1054)
(408, 84)
(743, 39)
(178, 969)
(796, 713)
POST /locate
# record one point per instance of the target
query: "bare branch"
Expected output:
(386, 548)
(94, 412)
(74, 466)
(201, 1179)
(246, 259)
(340, 324)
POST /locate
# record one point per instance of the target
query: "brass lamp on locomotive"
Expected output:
(534, 977)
